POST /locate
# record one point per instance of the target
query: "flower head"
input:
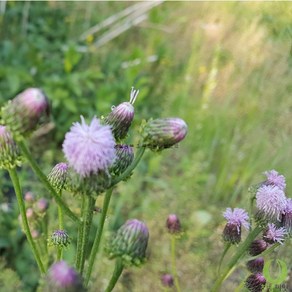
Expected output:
(235, 219)
(274, 234)
(256, 265)
(257, 247)
(271, 202)
(287, 217)
(167, 280)
(124, 157)
(59, 238)
(89, 148)
(275, 179)
(255, 282)
(173, 224)
(130, 242)
(57, 176)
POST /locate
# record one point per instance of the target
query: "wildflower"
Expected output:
(287, 217)
(59, 238)
(255, 282)
(274, 234)
(63, 278)
(9, 153)
(257, 247)
(130, 242)
(167, 280)
(57, 176)
(124, 157)
(121, 117)
(163, 133)
(24, 112)
(173, 224)
(42, 205)
(256, 265)
(89, 148)
(271, 202)
(275, 179)
(235, 219)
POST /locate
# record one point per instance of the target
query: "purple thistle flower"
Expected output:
(167, 280)
(257, 247)
(173, 224)
(271, 202)
(274, 234)
(275, 179)
(287, 217)
(89, 148)
(256, 265)
(255, 282)
(235, 219)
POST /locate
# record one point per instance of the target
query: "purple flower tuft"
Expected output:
(287, 217)
(89, 148)
(271, 202)
(42, 205)
(275, 179)
(274, 234)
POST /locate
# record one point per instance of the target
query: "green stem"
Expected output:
(60, 215)
(98, 235)
(227, 246)
(173, 263)
(59, 253)
(42, 177)
(17, 188)
(241, 250)
(87, 220)
(115, 276)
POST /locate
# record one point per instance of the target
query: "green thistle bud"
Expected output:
(24, 112)
(9, 154)
(124, 157)
(130, 243)
(59, 238)
(121, 117)
(57, 176)
(163, 133)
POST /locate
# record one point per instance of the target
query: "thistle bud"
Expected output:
(59, 238)
(42, 205)
(255, 282)
(124, 157)
(30, 214)
(35, 234)
(121, 117)
(130, 242)
(29, 197)
(173, 224)
(24, 112)
(167, 280)
(257, 247)
(256, 265)
(58, 175)
(163, 133)
(9, 154)
(287, 217)
(62, 278)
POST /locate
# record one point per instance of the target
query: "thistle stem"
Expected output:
(227, 246)
(61, 227)
(241, 250)
(42, 177)
(98, 235)
(173, 263)
(17, 188)
(115, 276)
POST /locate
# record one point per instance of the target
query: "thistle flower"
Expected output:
(257, 247)
(24, 112)
(89, 148)
(59, 238)
(287, 217)
(124, 157)
(235, 219)
(57, 176)
(274, 234)
(255, 282)
(130, 242)
(163, 133)
(121, 117)
(173, 224)
(62, 278)
(42, 205)
(275, 179)
(9, 153)
(256, 265)
(167, 280)
(271, 202)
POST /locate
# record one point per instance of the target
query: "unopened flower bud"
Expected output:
(255, 282)
(173, 224)
(35, 234)
(163, 133)
(256, 265)
(130, 242)
(29, 197)
(257, 247)
(24, 112)
(62, 278)
(167, 280)
(58, 175)
(30, 213)
(42, 205)
(59, 238)
(9, 154)
(124, 157)
(121, 117)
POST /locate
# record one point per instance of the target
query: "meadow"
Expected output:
(224, 68)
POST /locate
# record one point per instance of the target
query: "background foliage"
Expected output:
(223, 67)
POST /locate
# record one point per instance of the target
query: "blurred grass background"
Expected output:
(225, 68)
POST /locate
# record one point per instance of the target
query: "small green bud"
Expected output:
(124, 157)
(58, 175)
(59, 238)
